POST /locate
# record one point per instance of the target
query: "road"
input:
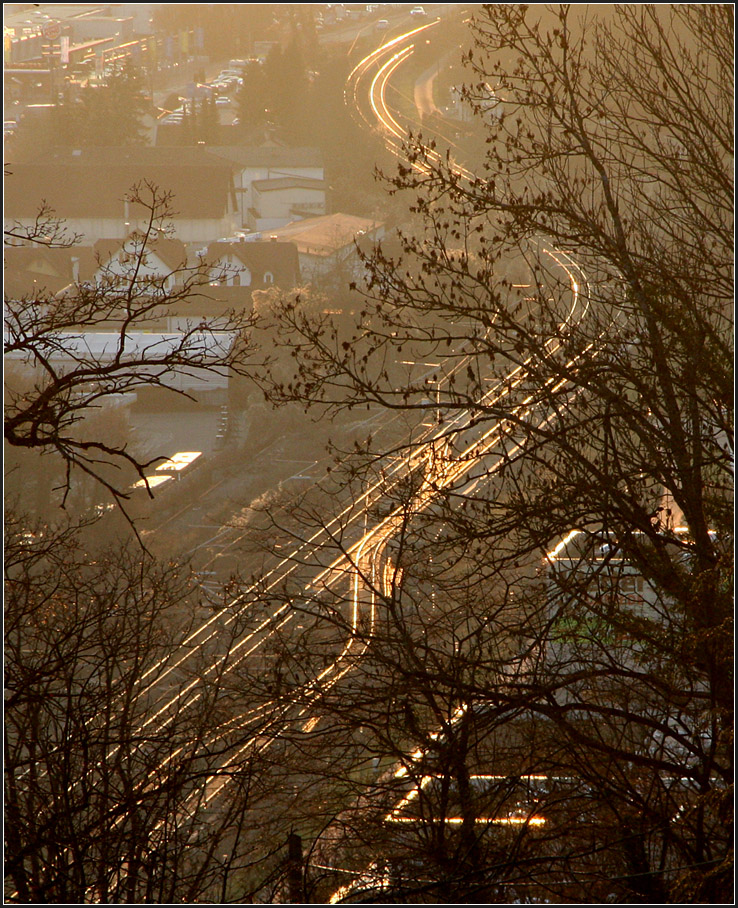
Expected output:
(364, 556)
(371, 77)
(360, 572)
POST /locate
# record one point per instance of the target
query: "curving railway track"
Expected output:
(360, 574)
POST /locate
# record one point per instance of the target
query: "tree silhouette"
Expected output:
(49, 334)
(568, 302)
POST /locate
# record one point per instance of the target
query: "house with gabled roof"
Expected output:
(88, 188)
(42, 271)
(160, 264)
(328, 244)
(255, 265)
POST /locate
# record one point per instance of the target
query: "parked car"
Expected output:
(224, 88)
(417, 11)
(228, 83)
(382, 25)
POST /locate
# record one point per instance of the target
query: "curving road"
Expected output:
(358, 573)
(363, 570)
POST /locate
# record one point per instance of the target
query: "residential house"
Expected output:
(40, 271)
(162, 265)
(236, 270)
(254, 265)
(89, 188)
(327, 245)
(233, 272)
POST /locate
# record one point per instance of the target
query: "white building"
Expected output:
(269, 163)
(599, 599)
(94, 348)
(279, 201)
(159, 268)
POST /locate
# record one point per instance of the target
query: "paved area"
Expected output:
(168, 432)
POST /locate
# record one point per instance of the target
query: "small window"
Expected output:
(268, 277)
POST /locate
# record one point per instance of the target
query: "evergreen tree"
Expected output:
(111, 114)
(251, 97)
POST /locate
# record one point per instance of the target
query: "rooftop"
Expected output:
(268, 155)
(279, 183)
(326, 234)
(97, 189)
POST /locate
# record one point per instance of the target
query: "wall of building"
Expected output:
(195, 230)
(249, 175)
(280, 205)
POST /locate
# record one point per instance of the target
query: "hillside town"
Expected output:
(244, 199)
(368, 453)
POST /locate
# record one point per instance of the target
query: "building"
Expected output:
(327, 244)
(88, 188)
(97, 348)
(233, 272)
(162, 266)
(39, 271)
(259, 189)
(273, 199)
(281, 200)
(256, 265)
(603, 599)
(33, 32)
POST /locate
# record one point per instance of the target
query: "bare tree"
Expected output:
(113, 745)
(71, 377)
(105, 790)
(46, 230)
(568, 305)
(138, 767)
